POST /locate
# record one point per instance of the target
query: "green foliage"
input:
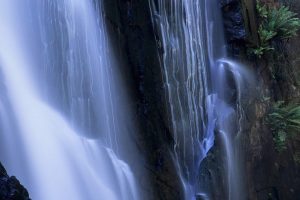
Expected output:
(275, 22)
(262, 10)
(282, 22)
(280, 141)
(297, 157)
(265, 35)
(261, 50)
(285, 123)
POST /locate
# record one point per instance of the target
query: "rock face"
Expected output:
(212, 174)
(132, 31)
(270, 174)
(235, 31)
(10, 187)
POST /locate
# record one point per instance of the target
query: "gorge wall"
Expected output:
(131, 26)
(269, 174)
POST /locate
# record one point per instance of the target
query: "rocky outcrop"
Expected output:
(10, 187)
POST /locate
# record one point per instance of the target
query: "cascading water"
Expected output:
(184, 66)
(203, 89)
(59, 91)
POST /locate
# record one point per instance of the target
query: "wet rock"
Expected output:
(233, 21)
(235, 31)
(131, 29)
(212, 174)
(10, 187)
(272, 174)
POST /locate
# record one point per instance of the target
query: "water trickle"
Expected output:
(59, 128)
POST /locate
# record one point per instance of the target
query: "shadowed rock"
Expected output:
(10, 187)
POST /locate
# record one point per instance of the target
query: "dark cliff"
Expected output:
(133, 36)
(270, 174)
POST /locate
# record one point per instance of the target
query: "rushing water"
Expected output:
(60, 132)
(203, 89)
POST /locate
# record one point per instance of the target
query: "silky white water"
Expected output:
(203, 90)
(59, 128)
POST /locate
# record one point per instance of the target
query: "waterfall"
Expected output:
(203, 89)
(64, 132)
